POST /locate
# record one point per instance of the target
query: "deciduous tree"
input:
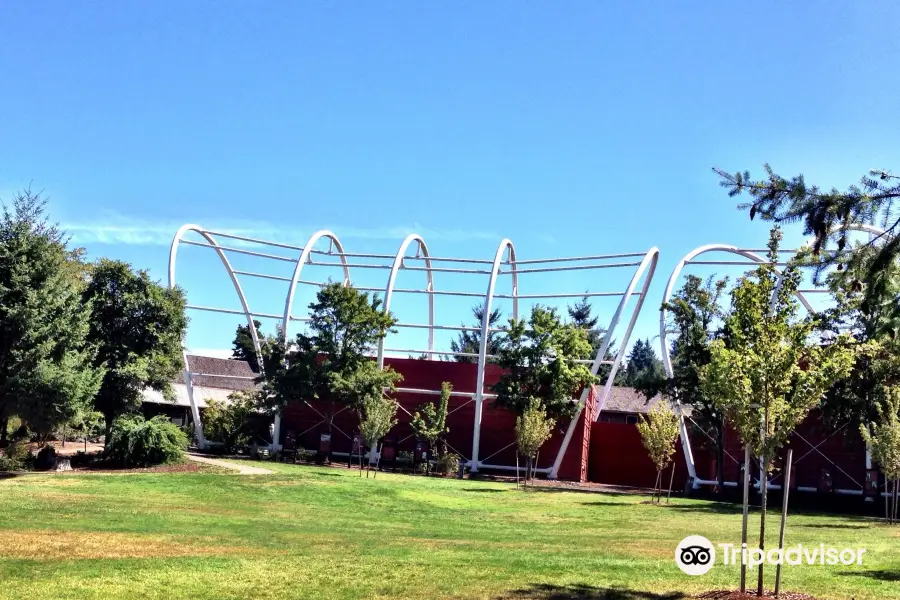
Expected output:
(429, 422)
(659, 432)
(883, 439)
(768, 373)
(242, 346)
(137, 326)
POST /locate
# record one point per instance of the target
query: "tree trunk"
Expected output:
(4, 423)
(517, 468)
(746, 475)
(896, 499)
(656, 485)
(764, 488)
(65, 431)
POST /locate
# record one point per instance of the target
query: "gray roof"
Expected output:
(227, 374)
(629, 400)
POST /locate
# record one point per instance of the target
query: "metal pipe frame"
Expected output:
(505, 245)
(755, 260)
(651, 258)
(398, 262)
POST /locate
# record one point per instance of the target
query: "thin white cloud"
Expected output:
(119, 230)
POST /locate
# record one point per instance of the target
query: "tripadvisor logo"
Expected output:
(696, 555)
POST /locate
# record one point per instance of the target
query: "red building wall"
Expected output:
(497, 440)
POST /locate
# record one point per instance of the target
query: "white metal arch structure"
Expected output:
(173, 254)
(485, 334)
(305, 258)
(664, 346)
(650, 261)
(392, 280)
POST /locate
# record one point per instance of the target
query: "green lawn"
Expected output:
(326, 533)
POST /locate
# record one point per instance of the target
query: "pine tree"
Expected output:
(46, 375)
(242, 346)
(643, 365)
(581, 314)
(469, 342)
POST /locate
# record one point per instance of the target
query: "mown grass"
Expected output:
(321, 533)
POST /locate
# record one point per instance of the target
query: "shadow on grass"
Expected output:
(880, 575)
(604, 503)
(584, 592)
(483, 491)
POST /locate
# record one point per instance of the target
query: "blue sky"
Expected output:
(573, 129)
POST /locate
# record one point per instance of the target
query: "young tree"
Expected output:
(429, 422)
(539, 362)
(227, 422)
(243, 348)
(469, 342)
(829, 216)
(692, 314)
(378, 416)
(582, 316)
(643, 365)
(659, 432)
(533, 428)
(883, 439)
(137, 326)
(46, 371)
(768, 374)
(331, 360)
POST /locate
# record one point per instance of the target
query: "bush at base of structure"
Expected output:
(447, 465)
(137, 442)
(16, 457)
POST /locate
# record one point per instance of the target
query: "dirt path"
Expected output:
(241, 469)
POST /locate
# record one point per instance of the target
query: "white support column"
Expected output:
(195, 412)
(485, 333)
(173, 256)
(650, 259)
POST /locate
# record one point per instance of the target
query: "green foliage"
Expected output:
(227, 422)
(136, 442)
(883, 436)
(643, 367)
(448, 464)
(16, 457)
(379, 415)
(828, 216)
(469, 342)
(46, 371)
(242, 346)
(582, 316)
(768, 373)
(138, 325)
(533, 428)
(429, 422)
(659, 432)
(539, 362)
(331, 360)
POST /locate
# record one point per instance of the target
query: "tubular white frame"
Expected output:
(664, 346)
(506, 247)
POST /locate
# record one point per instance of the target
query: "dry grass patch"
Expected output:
(44, 544)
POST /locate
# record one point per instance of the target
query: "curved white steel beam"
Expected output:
(304, 258)
(664, 350)
(666, 357)
(392, 280)
(173, 256)
(485, 332)
(651, 258)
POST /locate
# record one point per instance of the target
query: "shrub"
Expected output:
(136, 442)
(447, 464)
(16, 457)
(226, 422)
(46, 458)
